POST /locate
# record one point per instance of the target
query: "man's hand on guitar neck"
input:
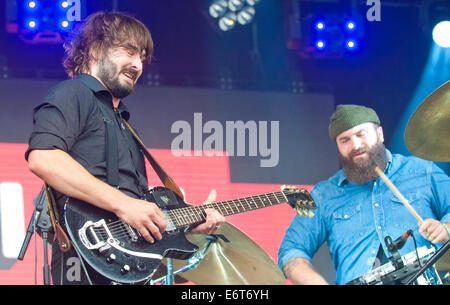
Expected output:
(213, 218)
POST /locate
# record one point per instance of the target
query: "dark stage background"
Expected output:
(250, 73)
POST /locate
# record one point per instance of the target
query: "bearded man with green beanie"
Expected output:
(357, 210)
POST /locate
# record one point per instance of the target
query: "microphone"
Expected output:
(399, 242)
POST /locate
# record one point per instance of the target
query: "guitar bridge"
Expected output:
(91, 235)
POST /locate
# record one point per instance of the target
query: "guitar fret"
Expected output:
(253, 199)
(242, 205)
(221, 208)
(231, 207)
(196, 214)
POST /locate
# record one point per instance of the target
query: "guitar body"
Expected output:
(117, 251)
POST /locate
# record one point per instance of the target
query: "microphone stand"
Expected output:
(429, 263)
(41, 221)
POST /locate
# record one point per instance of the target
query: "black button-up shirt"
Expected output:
(70, 119)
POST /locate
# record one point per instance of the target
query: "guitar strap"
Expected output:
(60, 233)
(168, 182)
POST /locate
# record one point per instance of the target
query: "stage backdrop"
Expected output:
(240, 143)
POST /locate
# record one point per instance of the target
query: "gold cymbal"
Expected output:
(233, 260)
(443, 263)
(427, 133)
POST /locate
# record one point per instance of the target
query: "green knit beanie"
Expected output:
(348, 116)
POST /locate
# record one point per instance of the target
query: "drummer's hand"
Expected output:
(434, 231)
(213, 218)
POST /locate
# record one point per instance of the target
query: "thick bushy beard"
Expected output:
(362, 170)
(109, 75)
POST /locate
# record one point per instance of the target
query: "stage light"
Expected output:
(230, 12)
(32, 24)
(245, 16)
(64, 24)
(235, 5)
(351, 44)
(320, 25)
(227, 22)
(218, 8)
(253, 2)
(64, 4)
(350, 25)
(31, 4)
(441, 34)
(320, 44)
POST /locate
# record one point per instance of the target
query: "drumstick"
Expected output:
(398, 194)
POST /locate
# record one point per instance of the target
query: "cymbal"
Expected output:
(427, 133)
(233, 260)
(443, 263)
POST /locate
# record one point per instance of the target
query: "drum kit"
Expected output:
(231, 257)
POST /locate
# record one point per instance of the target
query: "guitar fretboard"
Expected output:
(196, 214)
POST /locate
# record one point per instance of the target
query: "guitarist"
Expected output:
(67, 147)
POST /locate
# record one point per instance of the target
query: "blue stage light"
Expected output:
(320, 25)
(441, 34)
(64, 24)
(350, 25)
(320, 44)
(32, 24)
(64, 4)
(31, 5)
(351, 44)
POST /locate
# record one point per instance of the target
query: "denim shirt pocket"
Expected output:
(401, 212)
(345, 220)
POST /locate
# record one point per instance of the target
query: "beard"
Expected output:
(109, 74)
(362, 170)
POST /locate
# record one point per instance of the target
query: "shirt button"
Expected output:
(379, 227)
(377, 205)
(345, 216)
(374, 252)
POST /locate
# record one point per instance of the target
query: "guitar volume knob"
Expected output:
(111, 258)
(125, 269)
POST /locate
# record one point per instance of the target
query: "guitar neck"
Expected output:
(196, 214)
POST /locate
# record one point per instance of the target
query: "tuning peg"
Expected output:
(283, 187)
(299, 213)
(310, 214)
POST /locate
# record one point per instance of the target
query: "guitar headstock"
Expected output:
(299, 199)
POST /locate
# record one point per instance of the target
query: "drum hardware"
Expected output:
(430, 262)
(394, 246)
(192, 262)
(231, 259)
(412, 262)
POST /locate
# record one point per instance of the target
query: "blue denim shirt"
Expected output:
(354, 219)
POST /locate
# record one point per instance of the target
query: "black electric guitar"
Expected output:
(118, 252)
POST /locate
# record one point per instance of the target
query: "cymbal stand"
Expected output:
(192, 262)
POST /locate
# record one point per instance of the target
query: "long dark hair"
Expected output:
(101, 31)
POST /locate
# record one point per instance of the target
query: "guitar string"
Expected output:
(120, 230)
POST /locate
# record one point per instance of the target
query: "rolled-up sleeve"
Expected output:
(57, 121)
(303, 238)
